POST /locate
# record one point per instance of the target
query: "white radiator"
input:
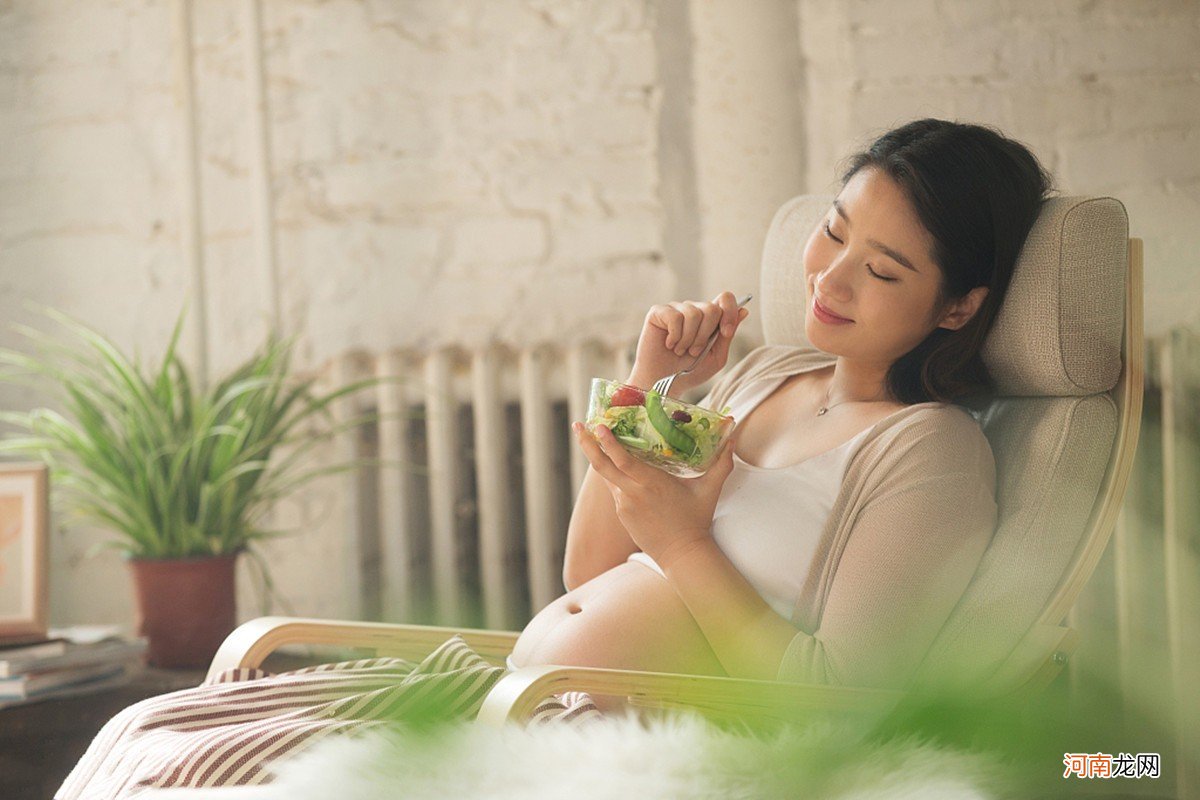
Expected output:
(470, 527)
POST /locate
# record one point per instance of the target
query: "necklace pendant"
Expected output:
(822, 410)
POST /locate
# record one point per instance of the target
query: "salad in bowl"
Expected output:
(678, 437)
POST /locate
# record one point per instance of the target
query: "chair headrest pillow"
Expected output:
(1059, 330)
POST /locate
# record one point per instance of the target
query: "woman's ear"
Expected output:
(961, 312)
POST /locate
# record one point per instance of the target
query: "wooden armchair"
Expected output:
(1066, 352)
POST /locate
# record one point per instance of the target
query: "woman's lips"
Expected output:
(827, 316)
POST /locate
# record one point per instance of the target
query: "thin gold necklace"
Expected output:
(824, 408)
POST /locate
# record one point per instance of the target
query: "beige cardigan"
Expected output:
(914, 515)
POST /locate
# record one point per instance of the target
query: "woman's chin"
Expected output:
(822, 342)
(816, 337)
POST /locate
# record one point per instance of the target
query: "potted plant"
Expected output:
(182, 476)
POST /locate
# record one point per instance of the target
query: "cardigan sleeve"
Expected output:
(912, 549)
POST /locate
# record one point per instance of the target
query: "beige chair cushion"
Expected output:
(1051, 454)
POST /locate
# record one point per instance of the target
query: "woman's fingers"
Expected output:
(730, 313)
(629, 466)
(669, 320)
(692, 317)
(595, 455)
(700, 320)
(731, 318)
(712, 320)
(689, 324)
(606, 455)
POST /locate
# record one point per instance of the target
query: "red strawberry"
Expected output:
(628, 396)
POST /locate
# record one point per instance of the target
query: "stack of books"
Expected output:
(68, 661)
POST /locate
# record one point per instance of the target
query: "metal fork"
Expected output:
(663, 385)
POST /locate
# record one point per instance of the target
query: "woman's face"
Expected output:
(870, 260)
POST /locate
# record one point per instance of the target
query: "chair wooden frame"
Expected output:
(1033, 664)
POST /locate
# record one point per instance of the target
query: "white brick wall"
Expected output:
(493, 128)
(448, 170)
(88, 219)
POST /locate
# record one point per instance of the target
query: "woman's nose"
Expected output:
(833, 281)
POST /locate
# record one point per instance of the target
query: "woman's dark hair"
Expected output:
(978, 194)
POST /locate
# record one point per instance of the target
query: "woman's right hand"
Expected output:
(673, 335)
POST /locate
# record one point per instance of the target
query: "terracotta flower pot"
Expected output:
(185, 607)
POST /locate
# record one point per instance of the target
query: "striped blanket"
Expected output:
(231, 728)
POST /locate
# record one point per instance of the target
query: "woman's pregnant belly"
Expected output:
(626, 618)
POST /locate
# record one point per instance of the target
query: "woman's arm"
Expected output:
(911, 554)
(745, 633)
(903, 570)
(597, 541)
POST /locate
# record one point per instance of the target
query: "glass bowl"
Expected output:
(678, 437)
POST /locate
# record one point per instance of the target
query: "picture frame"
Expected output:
(24, 526)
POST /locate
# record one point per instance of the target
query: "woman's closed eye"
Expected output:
(829, 233)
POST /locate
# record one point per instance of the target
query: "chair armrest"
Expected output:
(515, 695)
(253, 641)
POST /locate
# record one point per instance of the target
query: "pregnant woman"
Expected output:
(828, 543)
(840, 526)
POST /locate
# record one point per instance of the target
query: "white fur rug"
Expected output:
(681, 756)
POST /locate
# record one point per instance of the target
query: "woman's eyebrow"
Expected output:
(880, 246)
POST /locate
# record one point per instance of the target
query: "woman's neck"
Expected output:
(856, 381)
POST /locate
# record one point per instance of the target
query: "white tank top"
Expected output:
(768, 521)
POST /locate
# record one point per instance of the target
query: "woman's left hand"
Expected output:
(664, 514)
